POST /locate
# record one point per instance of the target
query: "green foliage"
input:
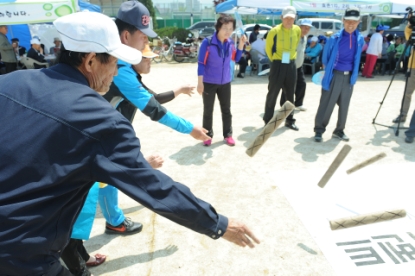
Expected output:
(149, 5)
(179, 33)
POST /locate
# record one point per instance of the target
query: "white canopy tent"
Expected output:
(314, 6)
(35, 11)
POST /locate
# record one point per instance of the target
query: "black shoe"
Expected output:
(240, 76)
(409, 140)
(340, 135)
(400, 119)
(318, 137)
(292, 126)
(127, 227)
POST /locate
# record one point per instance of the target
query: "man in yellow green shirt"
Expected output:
(281, 45)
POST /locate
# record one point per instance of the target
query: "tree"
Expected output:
(149, 5)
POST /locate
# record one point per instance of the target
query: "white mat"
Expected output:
(385, 248)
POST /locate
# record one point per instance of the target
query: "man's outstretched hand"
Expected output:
(239, 233)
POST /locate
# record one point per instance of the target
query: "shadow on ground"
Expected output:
(113, 265)
(385, 136)
(310, 150)
(195, 155)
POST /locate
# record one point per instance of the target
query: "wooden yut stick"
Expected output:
(366, 219)
(334, 166)
(269, 128)
(367, 162)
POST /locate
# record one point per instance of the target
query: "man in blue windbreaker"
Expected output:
(58, 136)
(341, 58)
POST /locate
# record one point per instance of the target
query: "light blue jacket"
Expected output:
(135, 92)
(330, 54)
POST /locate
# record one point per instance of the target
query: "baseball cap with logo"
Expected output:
(136, 14)
(352, 14)
(306, 22)
(93, 32)
(289, 11)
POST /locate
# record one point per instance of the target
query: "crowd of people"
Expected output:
(384, 54)
(12, 53)
(369, 55)
(87, 102)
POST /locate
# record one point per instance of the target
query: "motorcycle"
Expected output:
(183, 51)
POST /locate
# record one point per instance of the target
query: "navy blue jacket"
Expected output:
(57, 137)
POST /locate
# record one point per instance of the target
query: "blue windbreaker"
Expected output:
(330, 53)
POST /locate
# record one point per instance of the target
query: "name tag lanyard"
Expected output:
(286, 54)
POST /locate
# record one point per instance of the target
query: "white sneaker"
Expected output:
(301, 108)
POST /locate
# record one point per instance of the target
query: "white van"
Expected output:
(323, 25)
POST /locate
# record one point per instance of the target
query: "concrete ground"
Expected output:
(239, 186)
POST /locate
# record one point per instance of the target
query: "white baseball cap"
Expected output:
(289, 11)
(93, 32)
(35, 41)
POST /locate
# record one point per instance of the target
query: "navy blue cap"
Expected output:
(136, 14)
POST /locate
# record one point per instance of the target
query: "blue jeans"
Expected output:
(411, 131)
(108, 201)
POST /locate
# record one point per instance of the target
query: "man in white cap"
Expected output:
(281, 48)
(305, 26)
(35, 52)
(59, 136)
(341, 59)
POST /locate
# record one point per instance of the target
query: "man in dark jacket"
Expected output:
(59, 136)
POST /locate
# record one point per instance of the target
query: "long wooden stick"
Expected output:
(366, 163)
(334, 166)
(269, 128)
(366, 219)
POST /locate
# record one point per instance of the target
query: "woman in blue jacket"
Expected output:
(214, 76)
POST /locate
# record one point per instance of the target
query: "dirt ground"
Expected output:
(239, 186)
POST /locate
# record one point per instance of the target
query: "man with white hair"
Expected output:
(341, 59)
(59, 136)
(281, 49)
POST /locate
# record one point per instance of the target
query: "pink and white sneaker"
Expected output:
(229, 141)
(207, 143)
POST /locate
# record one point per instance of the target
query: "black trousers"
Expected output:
(242, 65)
(299, 89)
(10, 66)
(75, 257)
(224, 95)
(56, 269)
(281, 76)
